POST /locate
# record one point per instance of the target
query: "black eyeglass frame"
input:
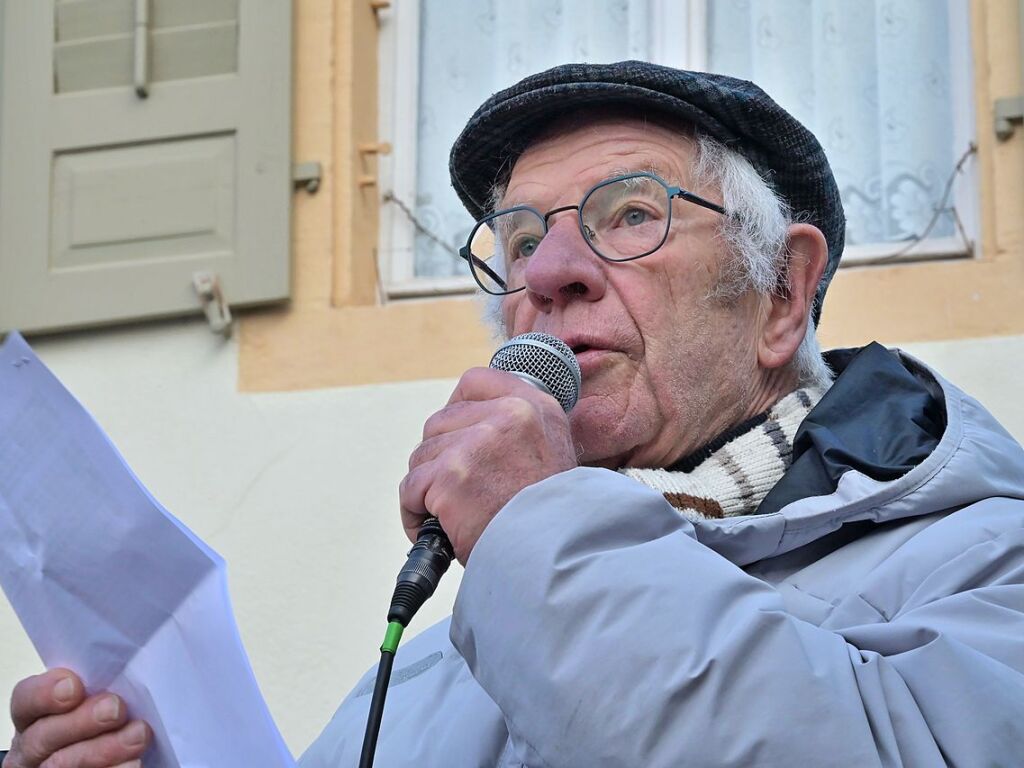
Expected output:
(671, 191)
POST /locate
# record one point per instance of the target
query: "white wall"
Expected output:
(298, 492)
(991, 370)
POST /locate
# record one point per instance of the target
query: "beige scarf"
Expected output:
(732, 474)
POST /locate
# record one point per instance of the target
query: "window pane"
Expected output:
(471, 48)
(871, 79)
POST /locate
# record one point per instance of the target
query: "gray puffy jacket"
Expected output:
(872, 613)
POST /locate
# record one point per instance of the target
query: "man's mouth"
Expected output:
(589, 347)
(582, 343)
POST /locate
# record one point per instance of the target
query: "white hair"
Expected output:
(755, 232)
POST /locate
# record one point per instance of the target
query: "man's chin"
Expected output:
(597, 444)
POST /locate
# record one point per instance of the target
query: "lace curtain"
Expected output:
(870, 78)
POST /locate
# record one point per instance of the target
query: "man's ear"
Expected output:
(788, 310)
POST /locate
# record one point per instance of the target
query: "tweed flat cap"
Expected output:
(735, 112)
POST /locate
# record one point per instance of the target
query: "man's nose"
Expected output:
(564, 269)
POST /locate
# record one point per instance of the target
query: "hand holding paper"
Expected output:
(107, 583)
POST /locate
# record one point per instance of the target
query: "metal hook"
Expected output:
(211, 297)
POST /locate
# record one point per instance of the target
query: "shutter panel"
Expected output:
(109, 202)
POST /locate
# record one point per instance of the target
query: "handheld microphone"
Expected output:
(548, 364)
(540, 359)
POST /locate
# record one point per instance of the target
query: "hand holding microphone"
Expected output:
(497, 435)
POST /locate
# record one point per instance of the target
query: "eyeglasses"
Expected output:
(621, 219)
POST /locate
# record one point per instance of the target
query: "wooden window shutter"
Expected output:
(134, 155)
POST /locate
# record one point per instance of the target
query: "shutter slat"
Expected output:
(81, 19)
(105, 62)
(179, 13)
(101, 62)
(197, 51)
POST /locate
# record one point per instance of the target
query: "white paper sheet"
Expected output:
(108, 583)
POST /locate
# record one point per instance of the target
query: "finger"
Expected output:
(455, 416)
(490, 383)
(411, 524)
(51, 693)
(464, 414)
(430, 449)
(468, 429)
(423, 491)
(412, 493)
(124, 746)
(507, 410)
(97, 715)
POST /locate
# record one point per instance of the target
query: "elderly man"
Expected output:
(779, 569)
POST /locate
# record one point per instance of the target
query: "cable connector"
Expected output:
(428, 560)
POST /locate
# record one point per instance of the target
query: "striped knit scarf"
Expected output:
(732, 474)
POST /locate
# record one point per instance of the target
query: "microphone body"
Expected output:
(539, 359)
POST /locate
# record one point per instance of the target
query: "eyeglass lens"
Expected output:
(622, 219)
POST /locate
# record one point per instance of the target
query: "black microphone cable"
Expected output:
(547, 363)
(428, 560)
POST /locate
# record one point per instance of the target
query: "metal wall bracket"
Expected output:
(307, 175)
(375, 148)
(1007, 112)
(211, 297)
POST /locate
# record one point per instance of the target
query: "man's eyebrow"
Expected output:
(504, 201)
(648, 167)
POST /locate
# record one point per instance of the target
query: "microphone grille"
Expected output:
(546, 358)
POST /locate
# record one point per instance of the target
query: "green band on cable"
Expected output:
(392, 638)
